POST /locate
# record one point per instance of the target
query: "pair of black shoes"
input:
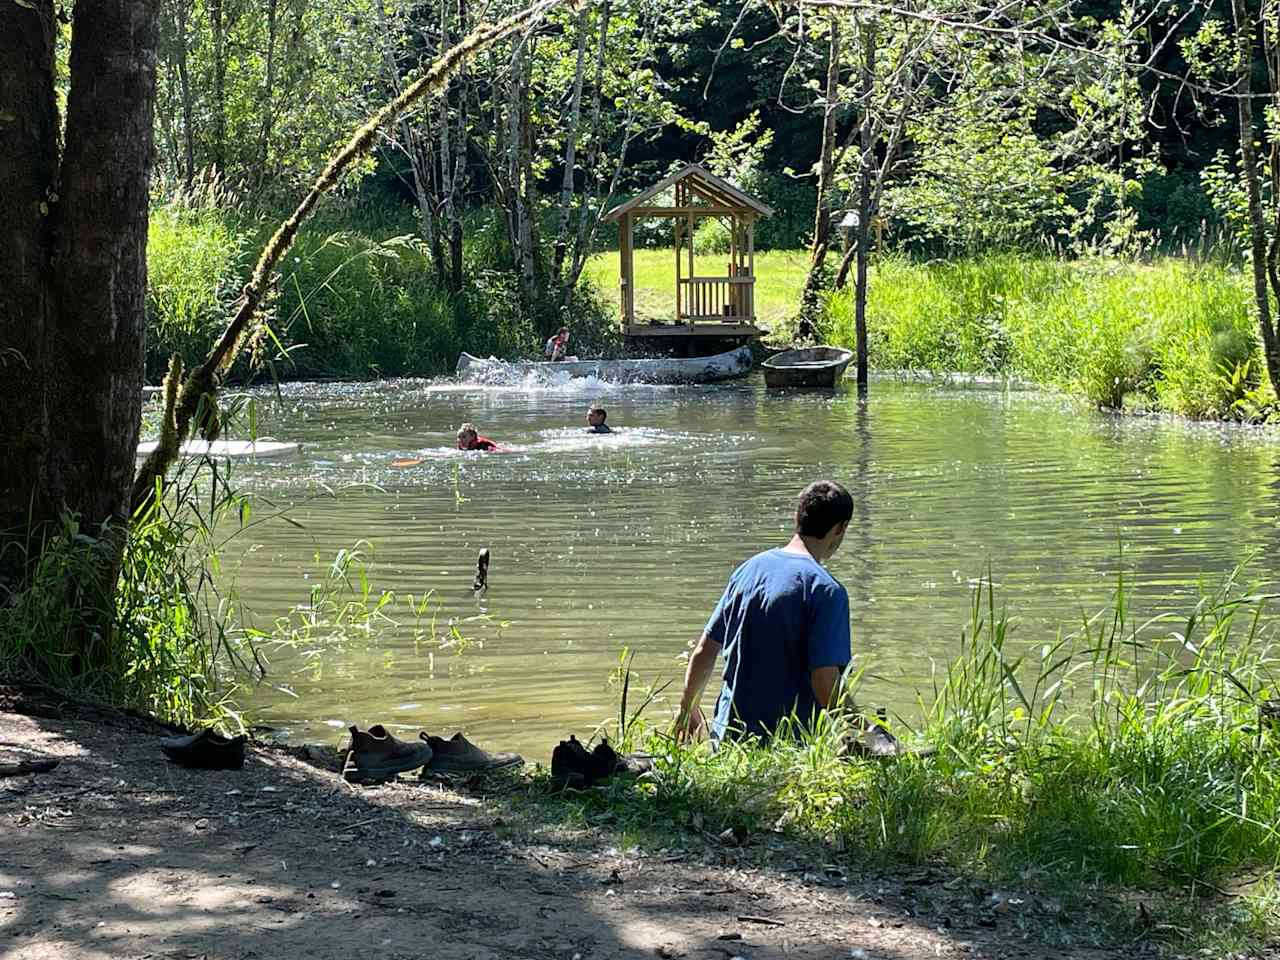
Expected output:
(572, 765)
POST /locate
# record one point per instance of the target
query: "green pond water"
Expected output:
(601, 543)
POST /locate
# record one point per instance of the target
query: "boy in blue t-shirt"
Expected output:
(783, 624)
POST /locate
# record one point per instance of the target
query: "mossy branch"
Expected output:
(204, 381)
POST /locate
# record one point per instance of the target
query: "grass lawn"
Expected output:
(779, 278)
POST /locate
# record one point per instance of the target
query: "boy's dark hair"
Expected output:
(604, 415)
(823, 504)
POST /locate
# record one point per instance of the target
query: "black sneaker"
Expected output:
(206, 750)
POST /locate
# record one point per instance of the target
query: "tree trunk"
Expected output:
(459, 174)
(28, 174)
(570, 161)
(453, 158)
(1244, 27)
(807, 329)
(865, 207)
(182, 13)
(588, 212)
(217, 27)
(268, 93)
(74, 280)
(518, 214)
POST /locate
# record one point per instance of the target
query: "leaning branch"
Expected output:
(200, 388)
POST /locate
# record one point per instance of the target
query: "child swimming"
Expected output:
(595, 420)
(470, 439)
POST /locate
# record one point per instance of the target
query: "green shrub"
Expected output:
(1170, 333)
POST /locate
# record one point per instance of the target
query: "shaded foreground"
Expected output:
(117, 853)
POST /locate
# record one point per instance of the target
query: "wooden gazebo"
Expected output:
(707, 306)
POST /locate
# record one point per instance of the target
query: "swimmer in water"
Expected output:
(469, 439)
(595, 420)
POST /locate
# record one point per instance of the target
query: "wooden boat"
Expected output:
(809, 367)
(722, 366)
(229, 449)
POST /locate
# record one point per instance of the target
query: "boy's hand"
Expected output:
(690, 725)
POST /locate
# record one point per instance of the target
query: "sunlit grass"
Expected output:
(1170, 334)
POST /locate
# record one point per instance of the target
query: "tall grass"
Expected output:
(358, 297)
(161, 641)
(1171, 334)
(1123, 752)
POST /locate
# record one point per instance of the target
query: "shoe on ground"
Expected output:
(460, 755)
(206, 750)
(572, 766)
(375, 756)
(875, 742)
(607, 762)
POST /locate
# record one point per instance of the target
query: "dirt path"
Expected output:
(118, 853)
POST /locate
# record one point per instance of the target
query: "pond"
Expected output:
(602, 544)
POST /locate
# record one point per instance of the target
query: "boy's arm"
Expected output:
(829, 644)
(689, 721)
(825, 682)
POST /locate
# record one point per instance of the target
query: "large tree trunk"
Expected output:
(453, 156)
(28, 173)
(589, 209)
(807, 329)
(71, 304)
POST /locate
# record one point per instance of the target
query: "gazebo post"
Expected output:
(675, 229)
(751, 269)
(624, 238)
(695, 292)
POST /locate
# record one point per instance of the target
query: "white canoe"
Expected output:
(229, 449)
(722, 366)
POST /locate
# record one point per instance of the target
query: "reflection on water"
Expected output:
(601, 543)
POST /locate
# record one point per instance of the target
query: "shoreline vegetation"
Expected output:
(1126, 768)
(358, 300)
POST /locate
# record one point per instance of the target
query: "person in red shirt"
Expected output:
(469, 439)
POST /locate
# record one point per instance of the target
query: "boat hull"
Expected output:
(730, 365)
(813, 367)
(228, 449)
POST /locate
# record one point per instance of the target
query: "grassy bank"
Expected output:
(1168, 335)
(358, 296)
(1124, 762)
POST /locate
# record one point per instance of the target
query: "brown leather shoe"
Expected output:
(376, 755)
(460, 755)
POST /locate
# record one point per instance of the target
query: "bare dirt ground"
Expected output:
(118, 853)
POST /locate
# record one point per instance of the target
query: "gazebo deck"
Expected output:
(702, 328)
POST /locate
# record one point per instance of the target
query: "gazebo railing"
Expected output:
(716, 298)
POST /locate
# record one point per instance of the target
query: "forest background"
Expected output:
(1052, 191)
